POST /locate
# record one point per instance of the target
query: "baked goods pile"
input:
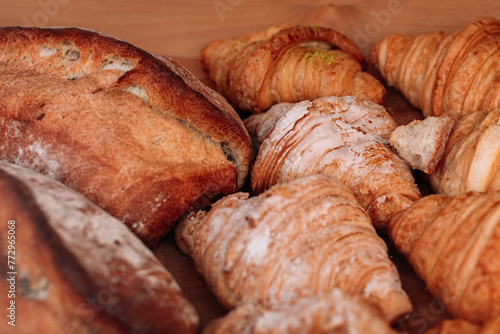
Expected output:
(147, 147)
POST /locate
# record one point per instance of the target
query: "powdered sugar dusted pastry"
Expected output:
(303, 238)
(333, 313)
(421, 143)
(347, 138)
(453, 244)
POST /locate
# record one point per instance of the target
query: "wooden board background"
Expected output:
(180, 28)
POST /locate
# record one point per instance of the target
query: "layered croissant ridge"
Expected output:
(453, 244)
(460, 326)
(331, 313)
(303, 238)
(288, 64)
(445, 73)
(471, 156)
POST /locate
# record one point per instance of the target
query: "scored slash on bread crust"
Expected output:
(134, 132)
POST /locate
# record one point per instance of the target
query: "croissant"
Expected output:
(288, 64)
(334, 313)
(460, 326)
(444, 73)
(453, 244)
(299, 239)
(471, 156)
(347, 138)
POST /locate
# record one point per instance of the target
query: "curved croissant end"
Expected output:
(445, 73)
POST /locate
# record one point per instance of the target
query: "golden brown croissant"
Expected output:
(288, 64)
(453, 245)
(445, 73)
(471, 160)
(333, 313)
(460, 326)
(303, 238)
(347, 138)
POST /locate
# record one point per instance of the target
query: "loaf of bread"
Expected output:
(134, 132)
(333, 313)
(73, 268)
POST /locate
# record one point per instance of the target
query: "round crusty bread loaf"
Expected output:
(134, 132)
(76, 268)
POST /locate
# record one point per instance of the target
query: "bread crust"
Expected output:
(134, 132)
(78, 268)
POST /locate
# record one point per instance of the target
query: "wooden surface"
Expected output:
(179, 28)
